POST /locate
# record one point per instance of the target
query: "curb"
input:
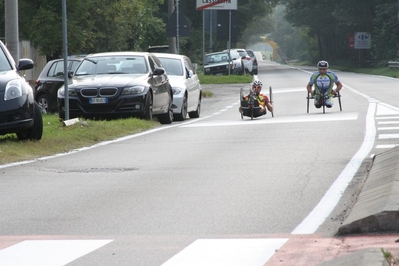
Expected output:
(377, 206)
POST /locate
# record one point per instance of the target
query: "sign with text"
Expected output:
(217, 4)
(362, 40)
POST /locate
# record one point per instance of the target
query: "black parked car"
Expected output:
(119, 84)
(19, 113)
(50, 80)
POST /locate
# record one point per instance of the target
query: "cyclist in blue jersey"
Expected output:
(323, 82)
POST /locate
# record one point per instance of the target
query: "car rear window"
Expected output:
(250, 53)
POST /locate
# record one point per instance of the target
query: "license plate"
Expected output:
(98, 100)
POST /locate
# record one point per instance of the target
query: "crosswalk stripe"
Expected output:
(388, 136)
(232, 252)
(48, 252)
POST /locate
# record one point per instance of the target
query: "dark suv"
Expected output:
(50, 80)
(19, 113)
(218, 63)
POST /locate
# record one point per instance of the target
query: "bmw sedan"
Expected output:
(185, 84)
(19, 113)
(118, 84)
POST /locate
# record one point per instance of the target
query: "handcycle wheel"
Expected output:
(323, 103)
(339, 100)
(252, 113)
(271, 98)
(308, 98)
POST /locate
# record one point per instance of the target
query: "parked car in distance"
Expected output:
(118, 84)
(218, 63)
(245, 60)
(254, 61)
(19, 113)
(51, 78)
(186, 86)
(238, 62)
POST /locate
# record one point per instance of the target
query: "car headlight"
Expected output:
(13, 90)
(176, 90)
(61, 92)
(133, 90)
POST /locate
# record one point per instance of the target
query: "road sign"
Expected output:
(362, 40)
(217, 4)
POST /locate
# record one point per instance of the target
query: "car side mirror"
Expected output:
(158, 71)
(70, 74)
(25, 64)
(190, 73)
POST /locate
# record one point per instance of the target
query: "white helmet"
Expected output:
(257, 83)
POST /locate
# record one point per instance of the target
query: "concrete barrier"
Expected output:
(377, 206)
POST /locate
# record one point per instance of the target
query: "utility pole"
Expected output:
(171, 40)
(11, 28)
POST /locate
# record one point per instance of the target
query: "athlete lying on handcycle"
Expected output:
(260, 100)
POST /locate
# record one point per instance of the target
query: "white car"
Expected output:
(185, 85)
(237, 60)
(246, 59)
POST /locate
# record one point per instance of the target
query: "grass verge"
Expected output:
(58, 138)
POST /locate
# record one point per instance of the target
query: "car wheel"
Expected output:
(43, 102)
(36, 131)
(167, 118)
(148, 107)
(183, 113)
(196, 113)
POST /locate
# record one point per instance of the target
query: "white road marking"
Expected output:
(387, 128)
(388, 136)
(387, 146)
(388, 122)
(48, 252)
(277, 120)
(232, 252)
(323, 209)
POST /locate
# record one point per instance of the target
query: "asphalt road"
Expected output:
(218, 190)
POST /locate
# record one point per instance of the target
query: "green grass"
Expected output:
(232, 79)
(58, 138)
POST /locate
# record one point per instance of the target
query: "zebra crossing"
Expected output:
(387, 126)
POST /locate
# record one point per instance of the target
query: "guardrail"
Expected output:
(393, 64)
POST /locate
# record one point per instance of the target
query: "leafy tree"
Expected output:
(93, 25)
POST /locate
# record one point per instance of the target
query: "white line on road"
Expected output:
(277, 120)
(232, 252)
(48, 252)
(323, 209)
(388, 136)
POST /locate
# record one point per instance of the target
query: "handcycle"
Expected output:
(250, 105)
(324, 95)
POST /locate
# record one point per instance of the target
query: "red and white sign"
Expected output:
(217, 4)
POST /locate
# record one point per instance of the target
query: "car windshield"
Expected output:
(216, 58)
(112, 65)
(172, 66)
(4, 63)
